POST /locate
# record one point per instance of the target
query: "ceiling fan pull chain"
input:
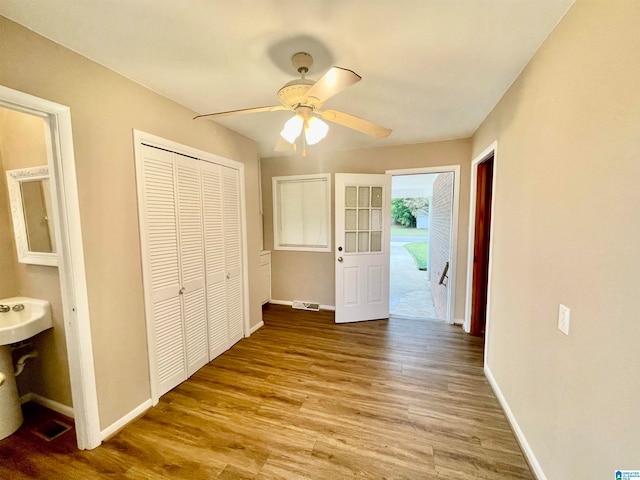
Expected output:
(304, 143)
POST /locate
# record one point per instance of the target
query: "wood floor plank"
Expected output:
(304, 398)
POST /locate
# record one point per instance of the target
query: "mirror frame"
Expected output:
(14, 179)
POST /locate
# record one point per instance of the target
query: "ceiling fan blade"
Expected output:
(272, 108)
(356, 123)
(283, 145)
(332, 83)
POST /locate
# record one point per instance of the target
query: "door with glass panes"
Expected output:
(362, 228)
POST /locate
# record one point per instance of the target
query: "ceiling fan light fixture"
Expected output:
(315, 130)
(292, 128)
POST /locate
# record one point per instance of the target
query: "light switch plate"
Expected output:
(564, 319)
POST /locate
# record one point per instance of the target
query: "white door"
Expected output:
(161, 256)
(223, 252)
(215, 261)
(233, 252)
(191, 247)
(362, 228)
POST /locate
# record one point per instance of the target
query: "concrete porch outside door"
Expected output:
(409, 288)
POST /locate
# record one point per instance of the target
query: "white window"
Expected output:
(302, 213)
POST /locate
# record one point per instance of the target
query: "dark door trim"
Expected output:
(481, 244)
(481, 221)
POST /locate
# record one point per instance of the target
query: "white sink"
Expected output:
(20, 318)
(17, 325)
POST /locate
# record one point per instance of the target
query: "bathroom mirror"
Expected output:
(30, 198)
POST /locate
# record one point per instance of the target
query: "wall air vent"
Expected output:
(300, 305)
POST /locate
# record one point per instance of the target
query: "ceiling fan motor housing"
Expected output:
(293, 93)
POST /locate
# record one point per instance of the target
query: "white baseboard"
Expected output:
(331, 308)
(528, 451)
(256, 327)
(47, 402)
(458, 321)
(122, 422)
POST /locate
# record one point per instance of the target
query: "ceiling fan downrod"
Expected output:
(302, 61)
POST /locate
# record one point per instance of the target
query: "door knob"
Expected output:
(181, 291)
(340, 259)
(228, 276)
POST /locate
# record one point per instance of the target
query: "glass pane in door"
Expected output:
(376, 219)
(363, 224)
(350, 242)
(376, 196)
(350, 197)
(350, 219)
(363, 196)
(376, 241)
(363, 219)
(363, 241)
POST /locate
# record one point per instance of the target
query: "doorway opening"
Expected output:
(481, 244)
(30, 268)
(70, 288)
(423, 243)
(481, 217)
(482, 240)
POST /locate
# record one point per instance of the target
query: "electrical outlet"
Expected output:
(564, 319)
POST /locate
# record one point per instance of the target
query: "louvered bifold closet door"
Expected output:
(190, 231)
(233, 252)
(215, 259)
(160, 242)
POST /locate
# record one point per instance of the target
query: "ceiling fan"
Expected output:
(306, 98)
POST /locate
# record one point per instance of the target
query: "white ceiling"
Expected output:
(432, 69)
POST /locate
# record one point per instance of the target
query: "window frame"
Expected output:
(326, 245)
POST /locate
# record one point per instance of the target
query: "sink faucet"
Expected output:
(4, 308)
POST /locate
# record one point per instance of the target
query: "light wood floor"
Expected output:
(305, 398)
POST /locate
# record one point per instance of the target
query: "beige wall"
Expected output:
(566, 231)
(22, 145)
(105, 108)
(8, 283)
(310, 275)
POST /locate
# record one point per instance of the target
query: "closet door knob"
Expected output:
(228, 276)
(181, 291)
